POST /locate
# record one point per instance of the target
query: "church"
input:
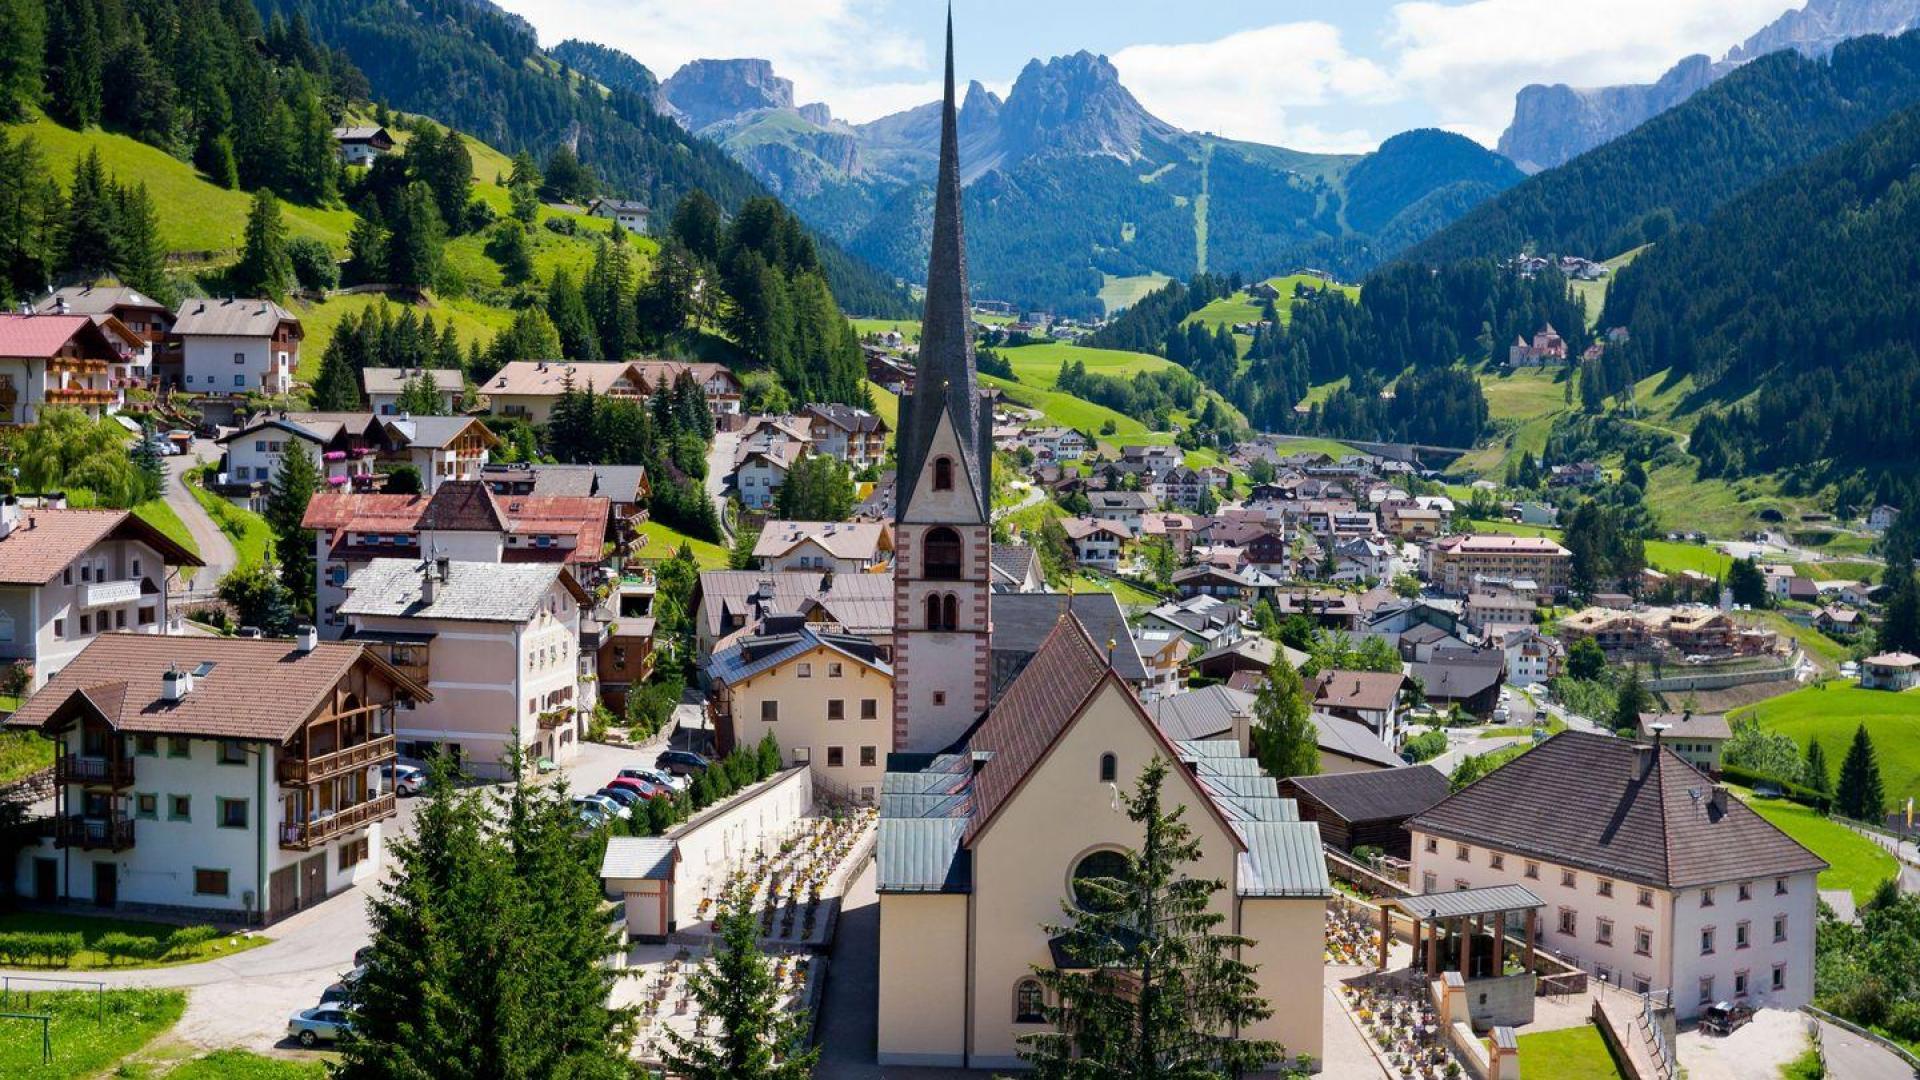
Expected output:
(996, 800)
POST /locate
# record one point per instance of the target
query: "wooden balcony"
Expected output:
(81, 395)
(304, 836)
(94, 771)
(113, 833)
(297, 772)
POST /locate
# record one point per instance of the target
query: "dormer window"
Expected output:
(943, 474)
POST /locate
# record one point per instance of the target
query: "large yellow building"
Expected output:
(979, 846)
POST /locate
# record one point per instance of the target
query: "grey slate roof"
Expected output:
(1351, 739)
(1375, 794)
(1206, 713)
(638, 857)
(231, 318)
(1021, 621)
(1602, 804)
(430, 432)
(754, 655)
(472, 592)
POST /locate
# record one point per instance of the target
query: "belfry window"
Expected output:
(942, 553)
(943, 474)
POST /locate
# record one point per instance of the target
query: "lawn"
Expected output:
(197, 215)
(90, 1033)
(1128, 594)
(1119, 292)
(1039, 365)
(1830, 712)
(1509, 528)
(158, 514)
(22, 753)
(1575, 1053)
(1858, 864)
(1069, 411)
(1312, 444)
(91, 928)
(662, 542)
(1527, 394)
(1843, 571)
(1673, 558)
(886, 405)
(1828, 652)
(241, 1065)
(909, 328)
(252, 537)
(472, 321)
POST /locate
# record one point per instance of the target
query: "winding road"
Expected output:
(216, 549)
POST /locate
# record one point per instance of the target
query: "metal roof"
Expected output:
(1465, 903)
(922, 855)
(1283, 858)
(642, 857)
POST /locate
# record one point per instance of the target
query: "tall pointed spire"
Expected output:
(945, 381)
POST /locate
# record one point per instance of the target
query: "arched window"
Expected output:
(1097, 878)
(933, 611)
(949, 612)
(1029, 1002)
(943, 474)
(1109, 768)
(942, 553)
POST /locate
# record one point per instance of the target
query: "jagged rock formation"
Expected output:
(1554, 124)
(709, 91)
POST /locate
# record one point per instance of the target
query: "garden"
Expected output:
(85, 943)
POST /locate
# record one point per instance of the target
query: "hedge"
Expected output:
(48, 948)
(1790, 790)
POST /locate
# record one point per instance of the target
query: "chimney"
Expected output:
(1717, 799)
(305, 638)
(1112, 644)
(59, 305)
(9, 516)
(429, 583)
(176, 684)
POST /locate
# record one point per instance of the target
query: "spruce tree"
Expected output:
(415, 237)
(337, 388)
(87, 236)
(567, 309)
(146, 458)
(753, 1037)
(139, 259)
(264, 268)
(30, 219)
(1159, 991)
(1285, 742)
(609, 297)
(1900, 626)
(367, 247)
(1814, 772)
(23, 35)
(420, 396)
(75, 63)
(1859, 793)
(293, 485)
(740, 557)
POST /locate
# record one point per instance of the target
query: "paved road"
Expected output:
(1906, 852)
(1850, 1057)
(719, 467)
(216, 550)
(1032, 496)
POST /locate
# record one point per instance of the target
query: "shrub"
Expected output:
(313, 264)
(191, 937)
(1425, 746)
(51, 948)
(565, 226)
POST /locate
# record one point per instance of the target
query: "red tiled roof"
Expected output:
(363, 512)
(462, 506)
(1372, 690)
(257, 689)
(38, 336)
(46, 541)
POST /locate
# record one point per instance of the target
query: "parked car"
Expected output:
(322, 1023)
(339, 992)
(161, 446)
(612, 808)
(592, 813)
(646, 789)
(655, 776)
(409, 779)
(680, 762)
(626, 797)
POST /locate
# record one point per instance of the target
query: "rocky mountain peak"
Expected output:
(1075, 104)
(707, 92)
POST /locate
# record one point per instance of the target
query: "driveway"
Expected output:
(719, 468)
(243, 1000)
(216, 550)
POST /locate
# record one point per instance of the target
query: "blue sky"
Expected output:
(1326, 76)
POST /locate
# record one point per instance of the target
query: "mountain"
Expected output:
(608, 67)
(1800, 299)
(1554, 124)
(1070, 180)
(481, 70)
(1769, 115)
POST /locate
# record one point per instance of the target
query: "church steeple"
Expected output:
(945, 381)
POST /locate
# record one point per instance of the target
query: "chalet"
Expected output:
(730, 601)
(1698, 738)
(1096, 543)
(234, 347)
(1016, 569)
(852, 435)
(383, 387)
(148, 319)
(839, 547)
(1122, 508)
(1890, 671)
(361, 145)
(1576, 474)
(1531, 656)
(627, 213)
(63, 360)
(1467, 677)
(1371, 698)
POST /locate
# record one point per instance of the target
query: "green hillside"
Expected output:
(1241, 308)
(1039, 365)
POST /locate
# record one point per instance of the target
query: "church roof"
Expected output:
(947, 383)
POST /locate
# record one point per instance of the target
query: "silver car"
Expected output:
(322, 1023)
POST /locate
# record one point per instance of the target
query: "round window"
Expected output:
(1096, 879)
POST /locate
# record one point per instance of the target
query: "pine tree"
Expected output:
(146, 458)
(608, 294)
(337, 388)
(817, 488)
(1284, 739)
(87, 238)
(23, 35)
(139, 259)
(264, 268)
(754, 1036)
(1814, 773)
(567, 308)
(292, 487)
(508, 246)
(741, 557)
(414, 239)
(1900, 627)
(75, 62)
(367, 247)
(1159, 991)
(1859, 793)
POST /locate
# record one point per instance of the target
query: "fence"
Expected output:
(1881, 1041)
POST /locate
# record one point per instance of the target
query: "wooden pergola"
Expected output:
(1462, 913)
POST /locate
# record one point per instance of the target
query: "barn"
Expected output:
(1366, 809)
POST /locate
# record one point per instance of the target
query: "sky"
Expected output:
(1332, 77)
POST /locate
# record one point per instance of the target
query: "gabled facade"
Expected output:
(233, 347)
(63, 360)
(68, 576)
(227, 778)
(825, 697)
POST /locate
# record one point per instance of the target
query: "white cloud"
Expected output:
(1466, 61)
(1248, 84)
(837, 51)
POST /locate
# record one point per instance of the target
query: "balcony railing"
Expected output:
(297, 771)
(301, 836)
(74, 769)
(82, 395)
(103, 593)
(113, 833)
